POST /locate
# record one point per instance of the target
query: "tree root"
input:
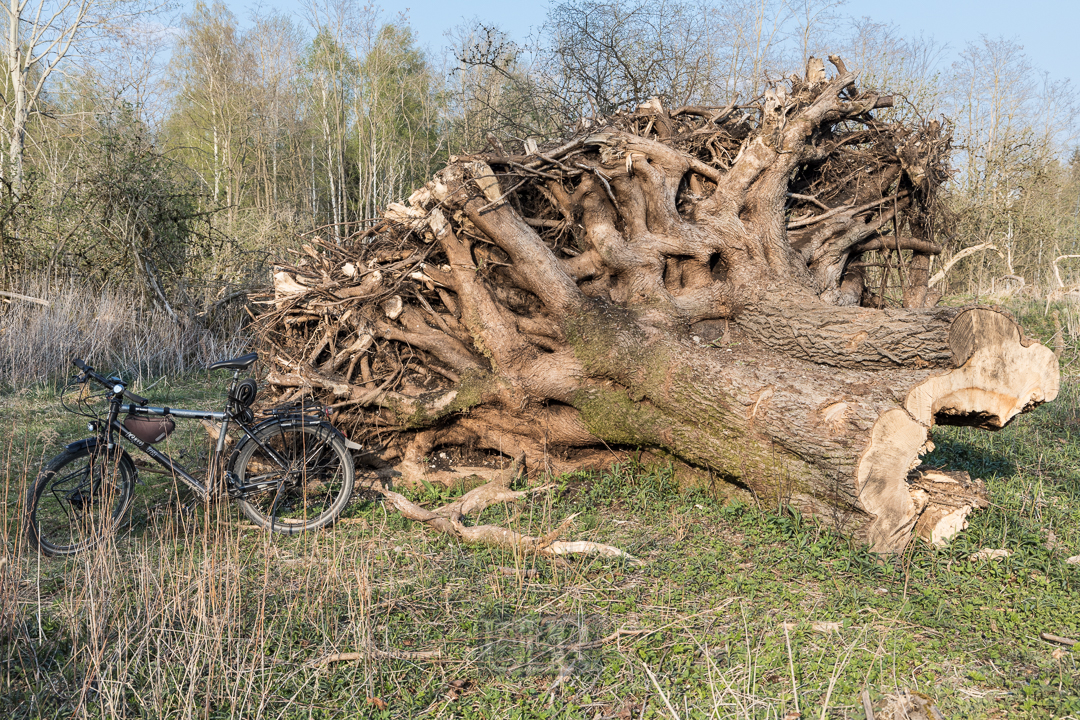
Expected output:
(449, 520)
(578, 309)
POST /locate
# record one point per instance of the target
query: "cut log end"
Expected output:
(998, 377)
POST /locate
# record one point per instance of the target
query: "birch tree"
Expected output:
(213, 100)
(1013, 124)
(397, 111)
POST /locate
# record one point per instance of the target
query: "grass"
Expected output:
(113, 327)
(202, 617)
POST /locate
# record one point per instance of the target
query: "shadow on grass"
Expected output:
(956, 451)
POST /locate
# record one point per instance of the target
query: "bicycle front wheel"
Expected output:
(294, 476)
(78, 499)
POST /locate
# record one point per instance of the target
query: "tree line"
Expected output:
(185, 173)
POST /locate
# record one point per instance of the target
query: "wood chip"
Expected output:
(429, 655)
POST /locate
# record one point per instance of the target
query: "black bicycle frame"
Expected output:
(176, 468)
(161, 458)
(113, 425)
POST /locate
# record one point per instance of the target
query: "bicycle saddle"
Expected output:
(236, 363)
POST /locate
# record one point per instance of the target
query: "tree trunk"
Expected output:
(745, 293)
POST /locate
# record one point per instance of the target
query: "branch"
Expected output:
(940, 274)
(25, 298)
(448, 520)
(1057, 270)
(852, 211)
(899, 243)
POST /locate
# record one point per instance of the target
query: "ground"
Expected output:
(206, 617)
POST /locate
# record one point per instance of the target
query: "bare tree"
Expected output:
(275, 43)
(396, 111)
(593, 57)
(611, 55)
(41, 36)
(1014, 126)
(211, 122)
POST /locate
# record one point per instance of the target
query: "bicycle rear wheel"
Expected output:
(296, 476)
(78, 499)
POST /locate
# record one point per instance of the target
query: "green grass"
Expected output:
(205, 618)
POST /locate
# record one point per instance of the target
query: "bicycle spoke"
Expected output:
(313, 474)
(77, 500)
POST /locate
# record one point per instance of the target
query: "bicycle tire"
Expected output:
(308, 494)
(78, 499)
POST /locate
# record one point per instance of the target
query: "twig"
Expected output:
(231, 296)
(371, 396)
(538, 173)
(552, 156)
(27, 298)
(433, 655)
(498, 201)
(791, 667)
(607, 187)
(1058, 639)
(613, 637)
(809, 198)
(841, 208)
(868, 707)
(940, 274)
(662, 695)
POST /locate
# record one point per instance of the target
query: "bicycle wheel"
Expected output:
(78, 499)
(296, 476)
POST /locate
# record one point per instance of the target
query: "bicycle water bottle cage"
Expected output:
(149, 429)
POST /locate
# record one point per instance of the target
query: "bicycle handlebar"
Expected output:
(89, 372)
(137, 399)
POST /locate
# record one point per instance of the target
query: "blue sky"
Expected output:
(1046, 28)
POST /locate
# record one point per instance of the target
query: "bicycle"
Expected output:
(289, 473)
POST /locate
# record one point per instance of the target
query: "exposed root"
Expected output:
(449, 519)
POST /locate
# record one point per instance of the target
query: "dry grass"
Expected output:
(206, 618)
(733, 613)
(111, 327)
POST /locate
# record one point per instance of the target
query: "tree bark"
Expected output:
(747, 294)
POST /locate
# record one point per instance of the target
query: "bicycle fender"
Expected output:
(91, 443)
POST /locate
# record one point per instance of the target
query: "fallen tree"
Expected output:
(742, 288)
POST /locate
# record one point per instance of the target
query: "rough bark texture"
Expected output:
(744, 288)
